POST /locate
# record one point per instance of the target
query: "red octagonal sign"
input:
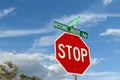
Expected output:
(72, 53)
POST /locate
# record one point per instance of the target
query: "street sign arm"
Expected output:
(74, 21)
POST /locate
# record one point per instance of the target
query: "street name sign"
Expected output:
(70, 29)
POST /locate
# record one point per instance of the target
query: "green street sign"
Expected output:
(70, 29)
(74, 21)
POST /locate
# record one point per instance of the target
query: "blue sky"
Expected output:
(27, 35)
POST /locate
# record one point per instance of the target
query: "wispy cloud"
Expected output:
(117, 39)
(113, 32)
(95, 61)
(16, 33)
(103, 75)
(6, 11)
(44, 43)
(106, 2)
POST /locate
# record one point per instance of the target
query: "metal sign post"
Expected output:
(74, 77)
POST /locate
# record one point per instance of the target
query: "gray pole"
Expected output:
(74, 77)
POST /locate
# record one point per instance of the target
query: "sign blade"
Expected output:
(74, 21)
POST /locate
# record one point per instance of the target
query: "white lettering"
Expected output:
(78, 53)
(60, 46)
(68, 46)
(83, 53)
(74, 52)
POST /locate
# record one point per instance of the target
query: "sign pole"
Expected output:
(74, 77)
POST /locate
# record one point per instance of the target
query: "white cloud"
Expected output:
(34, 64)
(41, 44)
(103, 75)
(113, 32)
(91, 19)
(56, 72)
(16, 33)
(6, 11)
(44, 41)
(6, 56)
(106, 2)
(95, 61)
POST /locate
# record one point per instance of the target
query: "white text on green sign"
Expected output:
(71, 30)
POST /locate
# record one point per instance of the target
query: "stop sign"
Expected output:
(72, 53)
